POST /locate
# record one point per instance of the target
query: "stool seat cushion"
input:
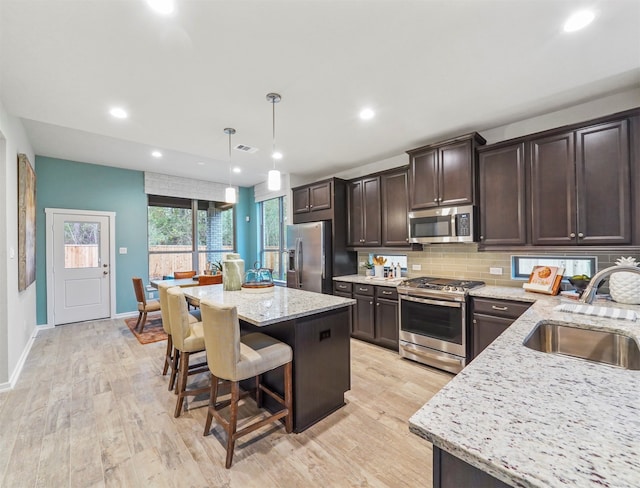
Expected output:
(195, 341)
(260, 353)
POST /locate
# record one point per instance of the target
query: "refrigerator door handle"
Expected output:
(298, 267)
(323, 265)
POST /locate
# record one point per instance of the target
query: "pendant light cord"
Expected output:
(273, 140)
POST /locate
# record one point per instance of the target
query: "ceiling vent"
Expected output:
(246, 149)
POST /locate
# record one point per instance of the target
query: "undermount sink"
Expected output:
(591, 345)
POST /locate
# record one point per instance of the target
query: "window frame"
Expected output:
(282, 220)
(517, 274)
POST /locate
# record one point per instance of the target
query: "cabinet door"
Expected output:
(602, 180)
(486, 329)
(351, 309)
(395, 206)
(355, 223)
(371, 211)
(387, 323)
(553, 207)
(455, 176)
(320, 196)
(502, 196)
(363, 324)
(423, 180)
(300, 200)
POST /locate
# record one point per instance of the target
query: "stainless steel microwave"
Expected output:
(443, 224)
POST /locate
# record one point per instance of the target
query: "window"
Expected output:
(273, 229)
(173, 222)
(521, 266)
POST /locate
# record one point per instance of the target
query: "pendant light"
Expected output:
(230, 192)
(273, 179)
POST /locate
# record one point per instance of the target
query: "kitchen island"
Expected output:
(520, 417)
(316, 326)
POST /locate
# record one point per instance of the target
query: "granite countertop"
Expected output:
(270, 307)
(534, 419)
(370, 280)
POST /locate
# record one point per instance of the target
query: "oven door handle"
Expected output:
(428, 301)
(445, 360)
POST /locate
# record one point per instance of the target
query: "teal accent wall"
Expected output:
(73, 185)
(246, 232)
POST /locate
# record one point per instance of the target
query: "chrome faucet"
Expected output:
(590, 292)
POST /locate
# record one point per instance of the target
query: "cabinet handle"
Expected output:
(370, 303)
(387, 293)
(435, 199)
(377, 304)
(311, 206)
(494, 307)
(482, 238)
(580, 235)
(407, 239)
(573, 234)
(363, 289)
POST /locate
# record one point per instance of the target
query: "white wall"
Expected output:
(607, 105)
(17, 309)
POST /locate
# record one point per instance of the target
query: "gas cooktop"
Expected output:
(426, 286)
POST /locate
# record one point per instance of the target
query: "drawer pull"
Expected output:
(387, 293)
(499, 308)
(363, 289)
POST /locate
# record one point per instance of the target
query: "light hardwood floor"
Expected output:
(91, 409)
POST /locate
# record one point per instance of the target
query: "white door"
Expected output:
(81, 269)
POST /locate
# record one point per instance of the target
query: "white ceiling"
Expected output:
(430, 69)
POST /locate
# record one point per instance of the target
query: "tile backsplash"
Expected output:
(465, 261)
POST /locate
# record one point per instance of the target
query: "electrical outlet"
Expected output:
(495, 271)
(416, 267)
(123, 250)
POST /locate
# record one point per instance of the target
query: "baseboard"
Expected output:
(125, 315)
(23, 358)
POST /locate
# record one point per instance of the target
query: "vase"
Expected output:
(232, 272)
(379, 271)
(369, 272)
(624, 287)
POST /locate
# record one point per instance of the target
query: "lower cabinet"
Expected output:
(452, 472)
(491, 317)
(375, 315)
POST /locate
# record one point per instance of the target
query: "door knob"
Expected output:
(105, 272)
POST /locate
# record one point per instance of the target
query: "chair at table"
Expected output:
(210, 279)
(234, 358)
(188, 339)
(144, 306)
(181, 275)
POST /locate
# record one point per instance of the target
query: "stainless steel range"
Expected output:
(433, 321)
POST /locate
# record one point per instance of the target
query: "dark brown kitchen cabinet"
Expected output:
(364, 216)
(491, 317)
(450, 471)
(386, 319)
(364, 313)
(395, 207)
(444, 173)
(312, 198)
(344, 290)
(502, 195)
(580, 186)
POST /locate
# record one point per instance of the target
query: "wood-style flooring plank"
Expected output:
(92, 409)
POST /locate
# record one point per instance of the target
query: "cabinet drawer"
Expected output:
(499, 308)
(342, 286)
(363, 289)
(386, 292)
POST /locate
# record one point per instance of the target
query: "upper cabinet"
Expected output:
(580, 186)
(501, 172)
(565, 187)
(443, 174)
(394, 189)
(363, 200)
(312, 198)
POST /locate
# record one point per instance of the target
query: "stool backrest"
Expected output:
(178, 316)
(221, 338)
(164, 307)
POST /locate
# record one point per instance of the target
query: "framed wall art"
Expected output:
(26, 223)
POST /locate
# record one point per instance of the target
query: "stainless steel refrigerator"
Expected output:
(309, 263)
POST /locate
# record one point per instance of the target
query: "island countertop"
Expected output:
(534, 419)
(270, 307)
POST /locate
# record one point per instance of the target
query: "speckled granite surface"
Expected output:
(533, 419)
(270, 307)
(368, 280)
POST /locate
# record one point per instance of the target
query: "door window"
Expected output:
(81, 244)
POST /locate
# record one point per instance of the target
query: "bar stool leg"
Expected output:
(233, 423)
(288, 396)
(213, 399)
(182, 382)
(174, 371)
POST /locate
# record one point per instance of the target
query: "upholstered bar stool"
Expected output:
(194, 316)
(234, 358)
(188, 339)
(144, 306)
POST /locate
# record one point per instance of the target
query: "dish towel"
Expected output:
(614, 313)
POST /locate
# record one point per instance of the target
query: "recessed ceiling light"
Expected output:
(156, 154)
(236, 170)
(277, 155)
(118, 113)
(367, 114)
(579, 20)
(200, 163)
(163, 7)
